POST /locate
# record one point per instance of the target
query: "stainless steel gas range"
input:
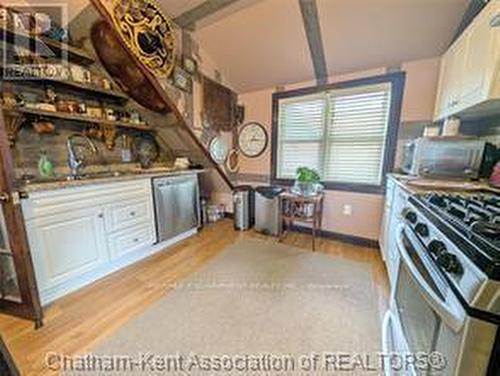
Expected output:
(446, 299)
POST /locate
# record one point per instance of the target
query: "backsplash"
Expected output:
(30, 145)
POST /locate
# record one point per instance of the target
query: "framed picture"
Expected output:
(190, 65)
(182, 80)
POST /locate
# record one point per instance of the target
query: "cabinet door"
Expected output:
(385, 229)
(442, 93)
(392, 261)
(450, 84)
(455, 75)
(478, 46)
(66, 246)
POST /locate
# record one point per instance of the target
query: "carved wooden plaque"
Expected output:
(219, 105)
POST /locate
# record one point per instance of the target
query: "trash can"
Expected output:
(267, 211)
(243, 207)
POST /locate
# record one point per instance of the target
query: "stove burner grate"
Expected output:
(474, 213)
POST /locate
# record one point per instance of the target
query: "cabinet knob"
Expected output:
(100, 215)
(132, 214)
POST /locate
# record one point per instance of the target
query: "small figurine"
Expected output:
(50, 95)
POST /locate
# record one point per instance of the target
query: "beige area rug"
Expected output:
(256, 308)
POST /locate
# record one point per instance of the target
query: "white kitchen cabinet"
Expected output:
(469, 78)
(80, 234)
(129, 240)
(384, 232)
(67, 245)
(398, 198)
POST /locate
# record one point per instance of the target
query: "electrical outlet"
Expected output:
(347, 210)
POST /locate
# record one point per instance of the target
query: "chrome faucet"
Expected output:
(74, 162)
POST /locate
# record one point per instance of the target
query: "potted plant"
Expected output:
(307, 182)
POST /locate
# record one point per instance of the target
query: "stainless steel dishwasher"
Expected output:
(176, 205)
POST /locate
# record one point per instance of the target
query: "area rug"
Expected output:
(256, 308)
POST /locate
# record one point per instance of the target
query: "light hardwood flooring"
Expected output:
(78, 322)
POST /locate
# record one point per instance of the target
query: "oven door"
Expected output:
(425, 305)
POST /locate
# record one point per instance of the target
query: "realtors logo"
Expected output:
(33, 41)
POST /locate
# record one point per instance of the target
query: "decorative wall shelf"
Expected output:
(112, 94)
(42, 43)
(15, 117)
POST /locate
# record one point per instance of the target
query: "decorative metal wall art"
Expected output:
(147, 32)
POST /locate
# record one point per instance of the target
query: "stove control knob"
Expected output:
(437, 248)
(450, 263)
(422, 230)
(410, 215)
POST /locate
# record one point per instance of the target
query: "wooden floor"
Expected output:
(77, 322)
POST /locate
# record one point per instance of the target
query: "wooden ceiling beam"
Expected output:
(188, 19)
(312, 27)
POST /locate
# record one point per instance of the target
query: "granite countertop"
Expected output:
(415, 184)
(100, 178)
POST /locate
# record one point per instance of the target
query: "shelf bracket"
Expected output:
(13, 123)
(109, 135)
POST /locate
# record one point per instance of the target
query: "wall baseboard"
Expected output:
(351, 239)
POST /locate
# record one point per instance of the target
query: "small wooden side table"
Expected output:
(302, 209)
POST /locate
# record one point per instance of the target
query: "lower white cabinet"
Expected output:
(130, 240)
(80, 234)
(67, 245)
(398, 197)
(386, 219)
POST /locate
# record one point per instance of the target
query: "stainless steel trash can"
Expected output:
(243, 207)
(267, 213)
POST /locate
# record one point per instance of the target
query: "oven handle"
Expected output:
(453, 318)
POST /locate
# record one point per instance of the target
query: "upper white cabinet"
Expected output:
(470, 79)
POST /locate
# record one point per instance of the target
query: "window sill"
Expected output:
(344, 187)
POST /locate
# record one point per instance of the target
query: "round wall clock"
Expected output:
(253, 139)
(218, 149)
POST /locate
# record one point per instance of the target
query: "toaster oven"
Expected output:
(457, 157)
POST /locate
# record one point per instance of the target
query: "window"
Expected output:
(345, 131)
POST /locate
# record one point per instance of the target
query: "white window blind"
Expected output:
(341, 133)
(301, 131)
(357, 131)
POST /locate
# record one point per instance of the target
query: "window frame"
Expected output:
(396, 80)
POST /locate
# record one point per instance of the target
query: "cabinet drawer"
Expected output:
(123, 215)
(129, 240)
(60, 201)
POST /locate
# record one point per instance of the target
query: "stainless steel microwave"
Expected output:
(445, 157)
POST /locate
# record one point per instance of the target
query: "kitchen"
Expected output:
(169, 171)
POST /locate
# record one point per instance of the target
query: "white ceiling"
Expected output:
(263, 44)
(260, 46)
(364, 34)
